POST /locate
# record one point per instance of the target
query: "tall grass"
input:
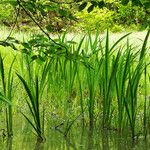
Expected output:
(34, 85)
(90, 81)
(132, 88)
(7, 93)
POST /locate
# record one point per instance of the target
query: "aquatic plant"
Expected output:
(7, 93)
(34, 86)
(89, 80)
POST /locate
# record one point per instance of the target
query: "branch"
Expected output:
(13, 25)
(32, 18)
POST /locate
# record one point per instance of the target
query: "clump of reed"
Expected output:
(89, 81)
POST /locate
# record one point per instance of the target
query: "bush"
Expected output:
(129, 14)
(117, 28)
(117, 18)
(97, 19)
(6, 13)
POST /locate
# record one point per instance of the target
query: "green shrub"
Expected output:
(117, 28)
(97, 19)
(6, 12)
(117, 18)
(129, 14)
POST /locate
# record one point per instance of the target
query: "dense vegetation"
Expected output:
(88, 82)
(59, 16)
(60, 82)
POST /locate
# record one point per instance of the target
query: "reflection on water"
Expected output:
(9, 143)
(39, 145)
(77, 139)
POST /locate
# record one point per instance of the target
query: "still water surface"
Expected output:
(77, 139)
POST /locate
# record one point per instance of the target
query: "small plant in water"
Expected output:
(7, 94)
(34, 89)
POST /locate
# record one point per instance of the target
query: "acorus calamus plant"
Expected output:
(34, 85)
(7, 93)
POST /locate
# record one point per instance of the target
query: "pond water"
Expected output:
(77, 139)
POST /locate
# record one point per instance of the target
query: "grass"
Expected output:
(7, 94)
(94, 81)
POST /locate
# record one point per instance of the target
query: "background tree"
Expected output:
(56, 15)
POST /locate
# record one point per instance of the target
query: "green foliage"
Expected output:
(57, 16)
(118, 28)
(91, 78)
(6, 94)
(97, 19)
(116, 17)
(33, 104)
(106, 77)
(129, 15)
(126, 12)
(6, 13)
